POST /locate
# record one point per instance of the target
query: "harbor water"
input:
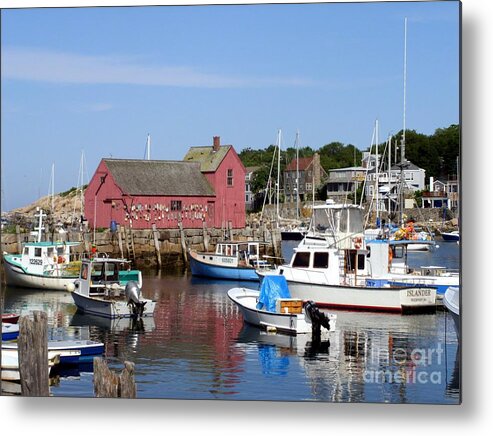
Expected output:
(197, 347)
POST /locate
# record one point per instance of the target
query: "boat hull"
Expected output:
(109, 308)
(450, 236)
(16, 276)
(203, 269)
(70, 351)
(451, 301)
(387, 299)
(10, 332)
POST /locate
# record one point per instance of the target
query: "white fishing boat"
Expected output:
(273, 309)
(43, 264)
(336, 278)
(382, 262)
(107, 287)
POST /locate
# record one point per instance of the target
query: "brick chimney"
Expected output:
(216, 143)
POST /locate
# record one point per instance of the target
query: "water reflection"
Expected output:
(197, 346)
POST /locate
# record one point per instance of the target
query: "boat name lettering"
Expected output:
(419, 293)
(35, 261)
(227, 260)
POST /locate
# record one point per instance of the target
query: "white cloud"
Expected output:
(58, 67)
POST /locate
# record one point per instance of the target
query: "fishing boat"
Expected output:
(10, 332)
(273, 309)
(451, 300)
(43, 264)
(107, 287)
(69, 351)
(454, 235)
(336, 278)
(382, 261)
(230, 261)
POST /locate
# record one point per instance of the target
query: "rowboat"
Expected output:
(70, 351)
(10, 332)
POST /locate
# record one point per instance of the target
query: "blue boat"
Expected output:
(230, 261)
(10, 332)
(454, 235)
(70, 351)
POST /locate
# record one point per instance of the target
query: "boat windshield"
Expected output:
(338, 220)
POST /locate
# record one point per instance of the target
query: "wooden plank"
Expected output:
(33, 355)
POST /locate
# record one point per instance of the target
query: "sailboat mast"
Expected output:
(297, 176)
(403, 142)
(278, 174)
(148, 147)
(377, 173)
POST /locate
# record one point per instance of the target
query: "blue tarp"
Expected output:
(272, 288)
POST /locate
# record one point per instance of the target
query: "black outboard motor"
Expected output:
(132, 293)
(318, 319)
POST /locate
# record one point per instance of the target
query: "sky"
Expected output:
(97, 80)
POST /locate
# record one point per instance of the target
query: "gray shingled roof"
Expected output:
(159, 177)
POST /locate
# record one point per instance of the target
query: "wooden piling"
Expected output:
(205, 236)
(108, 384)
(120, 242)
(127, 246)
(183, 243)
(18, 235)
(33, 355)
(156, 245)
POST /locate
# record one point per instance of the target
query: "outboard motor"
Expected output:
(318, 319)
(132, 294)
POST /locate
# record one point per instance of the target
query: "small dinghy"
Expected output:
(10, 332)
(69, 351)
(273, 309)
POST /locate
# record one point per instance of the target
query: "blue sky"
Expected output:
(99, 80)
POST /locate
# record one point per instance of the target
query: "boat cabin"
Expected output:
(246, 253)
(46, 257)
(100, 275)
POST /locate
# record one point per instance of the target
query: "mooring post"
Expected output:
(205, 236)
(33, 355)
(18, 234)
(156, 244)
(108, 384)
(183, 243)
(120, 242)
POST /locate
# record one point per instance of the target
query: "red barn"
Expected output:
(204, 188)
(226, 174)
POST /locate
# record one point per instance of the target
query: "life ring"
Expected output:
(358, 242)
(60, 259)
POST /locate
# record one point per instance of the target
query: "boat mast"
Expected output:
(297, 177)
(377, 175)
(403, 139)
(278, 174)
(148, 147)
